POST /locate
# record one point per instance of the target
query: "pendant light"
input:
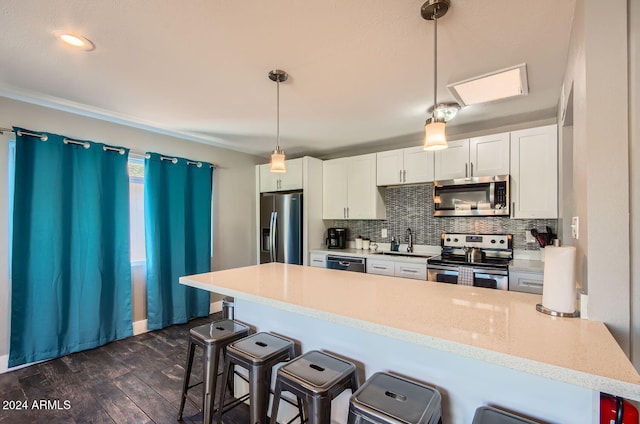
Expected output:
(277, 156)
(434, 136)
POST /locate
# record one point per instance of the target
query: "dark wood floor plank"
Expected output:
(103, 365)
(147, 399)
(119, 406)
(10, 381)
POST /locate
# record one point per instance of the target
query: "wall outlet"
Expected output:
(575, 227)
(383, 233)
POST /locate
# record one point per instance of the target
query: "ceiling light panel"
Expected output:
(498, 85)
(75, 40)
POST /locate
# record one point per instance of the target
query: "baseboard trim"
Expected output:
(4, 364)
(140, 327)
(215, 307)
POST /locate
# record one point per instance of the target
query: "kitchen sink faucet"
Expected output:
(409, 240)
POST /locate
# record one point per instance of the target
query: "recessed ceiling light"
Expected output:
(496, 85)
(75, 40)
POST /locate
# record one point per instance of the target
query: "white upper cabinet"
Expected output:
(534, 173)
(489, 155)
(452, 162)
(334, 188)
(473, 157)
(290, 180)
(390, 165)
(349, 189)
(404, 166)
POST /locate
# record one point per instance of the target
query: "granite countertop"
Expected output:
(495, 326)
(420, 254)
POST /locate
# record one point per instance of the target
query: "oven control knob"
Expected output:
(448, 239)
(493, 241)
(501, 241)
(455, 240)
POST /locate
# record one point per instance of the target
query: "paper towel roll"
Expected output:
(559, 289)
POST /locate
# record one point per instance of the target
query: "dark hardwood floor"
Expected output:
(135, 380)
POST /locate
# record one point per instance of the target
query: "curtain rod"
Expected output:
(120, 150)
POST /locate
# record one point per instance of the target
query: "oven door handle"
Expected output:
(442, 267)
(490, 271)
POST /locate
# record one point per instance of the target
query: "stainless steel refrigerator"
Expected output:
(281, 228)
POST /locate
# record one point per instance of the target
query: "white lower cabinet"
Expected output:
(408, 270)
(526, 281)
(318, 260)
(380, 267)
(415, 271)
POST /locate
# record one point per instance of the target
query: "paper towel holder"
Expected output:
(553, 313)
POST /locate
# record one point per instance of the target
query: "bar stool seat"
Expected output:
(257, 353)
(213, 338)
(317, 378)
(388, 399)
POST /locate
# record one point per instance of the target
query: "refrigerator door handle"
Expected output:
(274, 236)
(271, 236)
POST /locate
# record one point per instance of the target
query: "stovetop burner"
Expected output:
(497, 249)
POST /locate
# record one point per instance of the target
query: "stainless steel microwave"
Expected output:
(475, 196)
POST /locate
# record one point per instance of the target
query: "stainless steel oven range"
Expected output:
(480, 260)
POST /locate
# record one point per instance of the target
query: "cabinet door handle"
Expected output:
(466, 170)
(400, 175)
(344, 212)
(472, 169)
(513, 209)
(347, 212)
(384, 268)
(408, 270)
(404, 176)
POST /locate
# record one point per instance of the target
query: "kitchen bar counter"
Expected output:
(496, 327)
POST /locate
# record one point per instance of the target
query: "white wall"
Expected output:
(234, 199)
(634, 146)
(597, 69)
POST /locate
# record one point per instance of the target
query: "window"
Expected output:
(136, 208)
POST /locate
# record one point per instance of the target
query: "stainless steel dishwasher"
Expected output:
(346, 263)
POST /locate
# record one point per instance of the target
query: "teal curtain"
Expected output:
(177, 198)
(70, 266)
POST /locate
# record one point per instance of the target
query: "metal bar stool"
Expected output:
(388, 399)
(213, 338)
(257, 353)
(317, 378)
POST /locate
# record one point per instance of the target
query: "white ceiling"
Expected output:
(360, 70)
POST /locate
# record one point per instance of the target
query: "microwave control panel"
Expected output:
(501, 195)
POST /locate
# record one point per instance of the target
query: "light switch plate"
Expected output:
(529, 237)
(575, 227)
(383, 233)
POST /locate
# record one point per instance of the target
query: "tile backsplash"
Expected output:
(412, 207)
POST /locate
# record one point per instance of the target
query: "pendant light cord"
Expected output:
(435, 63)
(278, 114)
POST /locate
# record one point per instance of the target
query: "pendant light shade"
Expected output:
(278, 165)
(434, 137)
(434, 130)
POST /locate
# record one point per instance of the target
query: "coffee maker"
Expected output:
(336, 238)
